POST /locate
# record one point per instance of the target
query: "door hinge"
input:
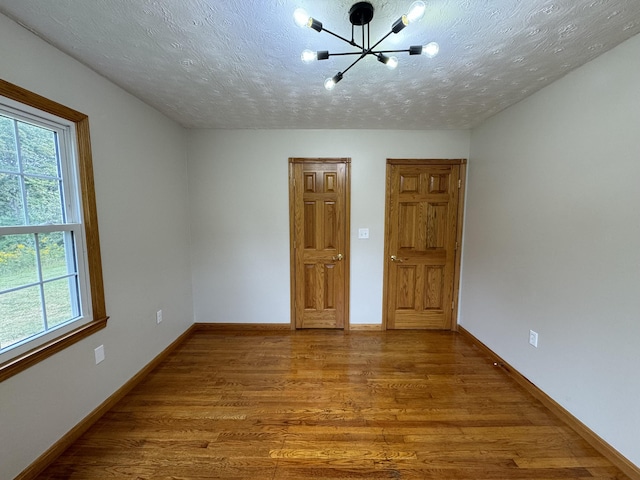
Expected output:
(459, 183)
(453, 304)
(456, 245)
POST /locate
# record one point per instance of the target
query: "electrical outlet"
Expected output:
(159, 316)
(533, 338)
(99, 352)
(363, 233)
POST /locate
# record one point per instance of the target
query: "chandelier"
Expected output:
(360, 15)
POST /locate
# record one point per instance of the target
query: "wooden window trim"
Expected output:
(87, 196)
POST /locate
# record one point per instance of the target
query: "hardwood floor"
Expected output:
(324, 405)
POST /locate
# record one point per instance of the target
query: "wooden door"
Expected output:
(319, 216)
(422, 235)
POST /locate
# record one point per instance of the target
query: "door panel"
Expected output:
(420, 243)
(319, 227)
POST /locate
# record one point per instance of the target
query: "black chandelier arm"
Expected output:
(375, 52)
(350, 42)
(341, 54)
(380, 41)
(366, 52)
(356, 61)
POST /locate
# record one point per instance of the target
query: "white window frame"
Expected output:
(72, 128)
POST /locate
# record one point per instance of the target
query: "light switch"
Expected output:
(99, 354)
(363, 233)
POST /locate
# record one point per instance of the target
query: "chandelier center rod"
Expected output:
(360, 15)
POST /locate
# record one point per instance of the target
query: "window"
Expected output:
(51, 292)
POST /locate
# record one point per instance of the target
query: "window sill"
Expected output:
(38, 354)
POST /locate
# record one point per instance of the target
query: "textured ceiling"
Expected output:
(236, 63)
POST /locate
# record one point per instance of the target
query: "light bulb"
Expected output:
(431, 49)
(308, 56)
(301, 17)
(329, 83)
(416, 12)
(392, 63)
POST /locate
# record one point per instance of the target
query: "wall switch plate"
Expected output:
(363, 233)
(533, 338)
(159, 316)
(99, 354)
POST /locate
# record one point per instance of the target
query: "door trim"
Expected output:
(347, 229)
(462, 162)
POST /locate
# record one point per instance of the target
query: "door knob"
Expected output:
(396, 259)
(338, 257)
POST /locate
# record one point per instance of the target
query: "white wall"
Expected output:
(141, 189)
(552, 242)
(238, 186)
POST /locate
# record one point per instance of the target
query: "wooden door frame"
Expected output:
(347, 229)
(462, 162)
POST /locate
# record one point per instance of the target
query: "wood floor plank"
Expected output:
(324, 405)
